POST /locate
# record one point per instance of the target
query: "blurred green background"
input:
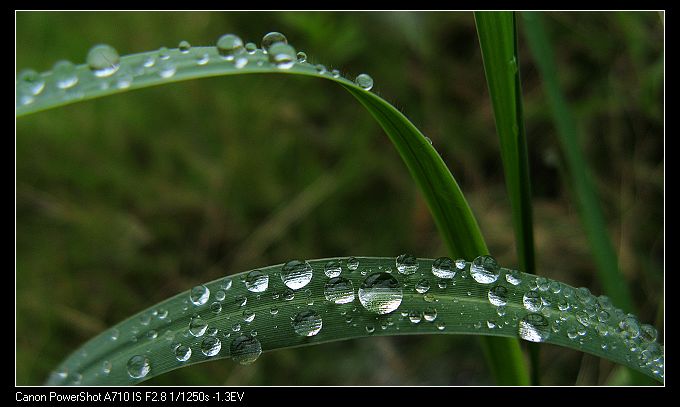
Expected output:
(126, 200)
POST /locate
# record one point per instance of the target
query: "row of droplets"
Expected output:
(104, 61)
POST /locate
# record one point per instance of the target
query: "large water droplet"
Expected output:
(272, 38)
(498, 295)
(182, 353)
(301, 57)
(532, 301)
(407, 264)
(167, 69)
(65, 75)
(364, 81)
(648, 333)
(339, 290)
(138, 366)
(423, 286)
(282, 55)
(485, 270)
(430, 314)
(229, 45)
(443, 267)
(245, 349)
(534, 328)
(352, 263)
(211, 346)
(199, 295)
(103, 60)
(380, 293)
(307, 323)
(197, 326)
(296, 274)
(333, 268)
(257, 281)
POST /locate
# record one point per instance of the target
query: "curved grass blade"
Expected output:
(612, 280)
(497, 33)
(255, 312)
(447, 204)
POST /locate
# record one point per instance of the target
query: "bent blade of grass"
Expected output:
(612, 280)
(497, 33)
(464, 306)
(450, 210)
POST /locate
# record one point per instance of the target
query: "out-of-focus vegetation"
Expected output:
(125, 201)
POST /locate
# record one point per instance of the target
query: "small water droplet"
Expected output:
(282, 55)
(498, 295)
(288, 295)
(430, 314)
(513, 277)
(103, 60)
(226, 284)
(199, 295)
(629, 327)
(296, 274)
(182, 353)
(339, 290)
(152, 334)
(423, 286)
(138, 367)
(229, 45)
(333, 268)
(647, 332)
(216, 307)
(257, 282)
(440, 325)
(352, 263)
(380, 293)
(532, 301)
(202, 58)
(415, 317)
(307, 323)
(167, 69)
(443, 267)
(149, 61)
(220, 295)
(460, 264)
(236, 327)
(184, 47)
(534, 328)
(335, 73)
(272, 38)
(407, 264)
(197, 326)
(251, 47)
(274, 311)
(301, 57)
(364, 81)
(321, 69)
(484, 269)
(248, 316)
(240, 62)
(65, 75)
(211, 346)
(370, 328)
(245, 349)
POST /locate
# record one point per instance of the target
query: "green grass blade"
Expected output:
(497, 33)
(612, 280)
(463, 306)
(447, 204)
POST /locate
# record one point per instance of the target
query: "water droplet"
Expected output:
(563, 305)
(272, 38)
(202, 58)
(211, 346)
(339, 290)
(30, 82)
(229, 45)
(364, 81)
(226, 284)
(301, 57)
(583, 318)
(251, 47)
(352, 263)
(584, 296)
(534, 328)
(491, 324)
(149, 61)
(498, 295)
(407, 264)
(513, 277)
(282, 55)
(248, 316)
(320, 69)
(220, 295)
(423, 286)
(184, 47)
(103, 60)
(335, 73)
(542, 283)
(216, 307)
(307, 323)
(630, 327)
(241, 62)
(415, 317)
(443, 267)
(333, 268)
(440, 325)
(296, 274)
(182, 352)
(380, 293)
(501, 311)
(114, 334)
(106, 367)
(532, 301)
(513, 64)
(236, 327)
(163, 53)
(274, 311)
(145, 319)
(555, 287)
(288, 295)
(257, 282)
(152, 334)
(197, 326)
(138, 366)
(647, 333)
(167, 69)
(245, 349)
(484, 269)
(370, 328)
(430, 314)
(65, 75)
(199, 295)
(460, 264)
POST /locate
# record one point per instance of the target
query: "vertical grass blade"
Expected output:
(605, 257)
(497, 33)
